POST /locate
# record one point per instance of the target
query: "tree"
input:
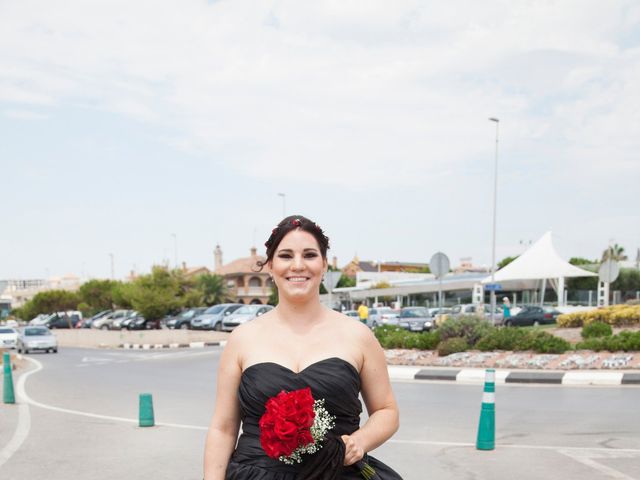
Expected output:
(577, 261)
(97, 295)
(212, 288)
(49, 302)
(346, 282)
(506, 261)
(615, 252)
(156, 294)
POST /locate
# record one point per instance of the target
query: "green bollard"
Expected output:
(8, 395)
(487, 427)
(146, 418)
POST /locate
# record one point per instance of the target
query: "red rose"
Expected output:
(286, 423)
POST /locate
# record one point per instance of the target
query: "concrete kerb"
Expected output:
(476, 376)
(159, 346)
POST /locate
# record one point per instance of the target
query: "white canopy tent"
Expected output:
(540, 262)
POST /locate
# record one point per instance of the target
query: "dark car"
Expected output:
(63, 320)
(212, 317)
(183, 320)
(532, 315)
(415, 319)
(138, 322)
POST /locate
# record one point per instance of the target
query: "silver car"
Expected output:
(244, 314)
(8, 337)
(36, 338)
(382, 316)
(212, 317)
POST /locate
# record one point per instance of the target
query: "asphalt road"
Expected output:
(77, 419)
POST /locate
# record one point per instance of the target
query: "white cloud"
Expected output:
(385, 91)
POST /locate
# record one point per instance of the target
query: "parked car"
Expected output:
(211, 318)
(416, 319)
(106, 322)
(124, 321)
(138, 322)
(244, 314)
(472, 309)
(352, 314)
(183, 319)
(533, 315)
(67, 319)
(89, 321)
(39, 319)
(382, 316)
(36, 338)
(8, 337)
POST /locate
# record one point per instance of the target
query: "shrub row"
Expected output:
(459, 335)
(624, 341)
(596, 329)
(616, 315)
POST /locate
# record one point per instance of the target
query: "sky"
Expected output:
(149, 128)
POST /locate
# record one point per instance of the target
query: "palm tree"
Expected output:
(615, 252)
(213, 288)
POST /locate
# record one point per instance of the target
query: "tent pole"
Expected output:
(542, 290)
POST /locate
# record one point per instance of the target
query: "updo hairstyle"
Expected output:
(289, 224)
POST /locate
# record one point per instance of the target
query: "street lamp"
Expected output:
(493, 245)
(175, 250)
(284, 204)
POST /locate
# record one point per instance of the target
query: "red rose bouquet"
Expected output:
(294, 423)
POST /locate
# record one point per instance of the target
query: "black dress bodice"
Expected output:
(333, 379)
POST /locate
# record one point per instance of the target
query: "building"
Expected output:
(356, 266)
(245, 282)
(17, 292)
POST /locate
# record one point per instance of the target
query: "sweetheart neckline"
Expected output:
(355, 370)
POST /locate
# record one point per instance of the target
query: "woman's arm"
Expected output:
(223, 430)
(378, 397)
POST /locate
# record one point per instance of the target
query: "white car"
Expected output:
(8, 337)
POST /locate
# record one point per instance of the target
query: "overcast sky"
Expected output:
(122, 123)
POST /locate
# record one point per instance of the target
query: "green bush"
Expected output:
(516, 339)
(543, 342)
(394, 337)
(597, 329)
(624, 341)
(503, 339)
(452, 345)
(470, 328)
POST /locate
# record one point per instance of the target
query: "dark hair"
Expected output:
(289, 224)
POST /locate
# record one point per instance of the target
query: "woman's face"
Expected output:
(297, 266)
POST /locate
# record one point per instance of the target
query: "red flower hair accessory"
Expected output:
(296, 222)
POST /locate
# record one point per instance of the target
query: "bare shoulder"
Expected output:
(351, 328)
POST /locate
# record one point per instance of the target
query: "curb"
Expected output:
(159, 346)
(476, 376)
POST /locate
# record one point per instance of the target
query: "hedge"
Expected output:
(624, 341)
(616, 315)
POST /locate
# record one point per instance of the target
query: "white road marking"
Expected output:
(589, 461)
(22, 430)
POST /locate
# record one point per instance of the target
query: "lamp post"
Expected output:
(493, 243)
(175, 250)
(284, 204)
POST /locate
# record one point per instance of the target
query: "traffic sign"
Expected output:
(331, 279)
(439, 264)
(609, 271)
(496, 287)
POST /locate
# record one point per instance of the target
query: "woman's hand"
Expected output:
(353, 451)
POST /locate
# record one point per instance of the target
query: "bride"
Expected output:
(300, 344)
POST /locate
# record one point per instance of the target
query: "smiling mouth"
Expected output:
(297, 279)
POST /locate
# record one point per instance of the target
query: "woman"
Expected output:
(297, 345)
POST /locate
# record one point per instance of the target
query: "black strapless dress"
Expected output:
(333, 379)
